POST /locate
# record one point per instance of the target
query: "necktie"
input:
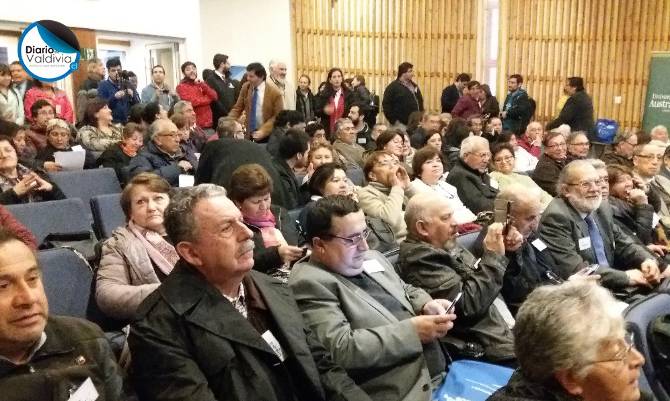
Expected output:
(596, 241)
(252, 116)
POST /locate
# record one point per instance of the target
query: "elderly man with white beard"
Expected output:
(579, 232)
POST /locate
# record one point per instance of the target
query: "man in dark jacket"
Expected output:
(453, 92)
(117, 92)
(402, 96)
(42, 357)
(256, 348)
(578, 109)
(517, 109)
(430, 259)
(226, 88)
(163, 155)
(475, 187)
(293, 150)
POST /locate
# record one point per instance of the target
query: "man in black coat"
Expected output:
(293, 150)
(402, 96)
(451, 93)
(215, 330)
(578, 109)
(226, 88)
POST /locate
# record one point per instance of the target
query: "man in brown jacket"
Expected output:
(260, 102)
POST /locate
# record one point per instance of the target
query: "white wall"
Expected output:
(247, 31)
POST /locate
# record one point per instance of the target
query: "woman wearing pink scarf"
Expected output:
(275, 235)
(138, 256)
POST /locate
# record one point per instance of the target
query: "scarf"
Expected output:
(338, 109)
(266, 224)
(161, 252)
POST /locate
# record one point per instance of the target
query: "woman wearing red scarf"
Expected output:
(334, 99)
(118, 156)
(275, 235)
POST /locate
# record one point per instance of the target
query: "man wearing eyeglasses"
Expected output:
(578, 146)
(622, 149)
(647, 163)
(163, 155)
(579, 233)
(383, 331)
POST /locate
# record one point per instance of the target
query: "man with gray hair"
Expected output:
(431, 259)
(470, 175)
(197, 134)
(659, 133)
(278, 81)
(345, 142)
(215, 329)
(163, 154)
(622, 149)
(647, 162)
(579, 232)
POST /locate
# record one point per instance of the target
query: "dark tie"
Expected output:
(596, 241)
(252, 117)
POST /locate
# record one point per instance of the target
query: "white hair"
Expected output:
(471, 143)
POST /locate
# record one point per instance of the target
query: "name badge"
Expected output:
(77, 148)
(539, 245)
(230, 85)
(372, 266)
(274, 344)
(85, 392)
(362, 141)
(58, 109)
(584, 243)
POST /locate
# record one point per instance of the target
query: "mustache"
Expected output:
(247, 247)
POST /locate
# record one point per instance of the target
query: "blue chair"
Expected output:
(468, 240)
(67, 281)
(107, 214)
(44, 218)
(86, 184)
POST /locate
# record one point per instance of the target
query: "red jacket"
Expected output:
(11, 224)
(532, 149)
(201, 96)
(466, 107)
(59, 100)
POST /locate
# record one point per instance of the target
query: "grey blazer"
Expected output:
(561, 228)
(384, 356)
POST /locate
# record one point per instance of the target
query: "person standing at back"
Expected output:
(402, 96)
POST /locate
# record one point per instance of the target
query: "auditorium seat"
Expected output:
(67, 281)
(107, 214)
(44, 218)
(86, 184)
(468, 240)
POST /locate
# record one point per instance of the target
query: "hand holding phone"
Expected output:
(452, 307)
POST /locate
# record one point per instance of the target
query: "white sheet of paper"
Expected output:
(274, 344)
(73, 160)
(584, 243)
(186, 180)
(655, 218)
(85, 392)
(372, 266)
(539, 245)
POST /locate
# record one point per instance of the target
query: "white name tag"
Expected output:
(58, 110)
(362, 141)
(539, 245)
(186, 180)
(77, 148)
(274, 344)
(584, 243)
(85, 392)
(372, 266)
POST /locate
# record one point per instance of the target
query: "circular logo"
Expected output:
(48, 50)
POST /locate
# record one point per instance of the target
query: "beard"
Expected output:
(586, 205)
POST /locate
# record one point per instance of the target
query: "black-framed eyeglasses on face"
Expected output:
(652, 157)
(624, 352)
(587, 184)
(354, 239)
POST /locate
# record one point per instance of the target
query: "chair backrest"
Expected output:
(44, 218)
(356, 175)
(86, 184)
(67, 281)
(638, 316)
(468, 240)
(107, 214)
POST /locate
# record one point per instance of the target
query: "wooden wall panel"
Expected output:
(372, 37)
(607, 42)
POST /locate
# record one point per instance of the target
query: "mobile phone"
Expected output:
(589, 270)
(501, 209)
(451, 307)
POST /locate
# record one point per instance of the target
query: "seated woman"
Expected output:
(49, 92)
(571, 344)
(58, 140)
(118, 156)
(153, 111)
(393, 141)
(502, 163)
(19, 184)
(429, 176)
(328, 179)
(457, 130)
(275, 235)
(433, 140)
(138, 256)
(98, 132)
(524, 162)
(629, 203)
(551, 162)
(319, 153)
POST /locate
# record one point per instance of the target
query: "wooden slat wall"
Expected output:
(608, 42)
(372, 37)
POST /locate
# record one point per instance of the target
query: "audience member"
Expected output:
(578, 146)
(333, 100)
(531, 139)
(392, 141)
(665, 168)
(380, 329)
(227, 127)
(493, 129)
(470, 177)
(98, 133)
(621, 152)
(629, 203)
(137, 257)
(659, 133)
(117, 92)
(433, 140)
(457, 130)
(278, 80)
(260, 103)
(198, 135)
(647, 161)
(13, 226)
(305, 101)
(188, 145)
(430, 123)
(475, 124)
(95, 73)
(152, 111)
(363, 131)
(258, 328)
(453, 92)
(578, 110)
(468, 104)
(225, 87)
(571, 343)
(11, 102)
(20, 80)
(503, 162)
(42, 356)
(192, 89)
(524, 162)
(516, 111)
(402, 96)
(430, 259)
(25, 149)
(316, 132)
(59, 138)
(490, 106)
(293, 151)
(158, 90)
(285, 120)
(47, 91)
(345, 142)
(119, 155)
(551, 162)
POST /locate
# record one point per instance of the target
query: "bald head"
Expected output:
(429, 218)
(526, 207)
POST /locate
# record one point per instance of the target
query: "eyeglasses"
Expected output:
(557, 145)
(580, 144)
(389, 163)
(171, 134)
(622, 355)
(355, 239)
(585, 185)
(506, 159)
(657, 157)
(59, 134)
(482, 155)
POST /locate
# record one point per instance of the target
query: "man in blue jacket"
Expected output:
(117, 92)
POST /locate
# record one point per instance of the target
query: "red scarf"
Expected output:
(266, 224)
(338, 109)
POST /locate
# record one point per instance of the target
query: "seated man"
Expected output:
(431, 259)
(215, 330)
(623, 144)
(475, 187)
(381, 330)
(163, 155)
(293, 150)
(579, 232)
(387, 191)
(46, 357)
(345, 142)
